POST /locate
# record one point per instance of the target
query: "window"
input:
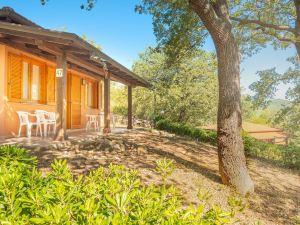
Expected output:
(25, 90)
(35, 83)
(26, 79)
(92, 94)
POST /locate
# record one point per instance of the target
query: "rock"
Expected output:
(141, 150)
(105, 145)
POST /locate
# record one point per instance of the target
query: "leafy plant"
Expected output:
(236, 204)
(111, 195)
(165, 167)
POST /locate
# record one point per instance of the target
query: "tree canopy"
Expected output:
(265, 89)
(185, 92)
(259, 23)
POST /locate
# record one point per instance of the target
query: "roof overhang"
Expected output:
(81, 55)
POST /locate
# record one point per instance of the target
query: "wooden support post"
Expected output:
(61, 99)
(129, 114)
(106, 128)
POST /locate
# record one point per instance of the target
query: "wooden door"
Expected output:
(74, 108)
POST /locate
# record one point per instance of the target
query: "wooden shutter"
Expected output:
(43, 83)
(76, 101)
(51, 84)
(14, 77)
(95, 95)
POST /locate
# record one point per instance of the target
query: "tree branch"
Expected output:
(217, 26)
(264, 24)
(278, 37)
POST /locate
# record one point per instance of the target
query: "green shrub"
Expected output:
(120, 110)
(288, 156)
(105, 196)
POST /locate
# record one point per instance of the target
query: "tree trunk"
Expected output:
(297, 27)
(297, 44)
(232, 161)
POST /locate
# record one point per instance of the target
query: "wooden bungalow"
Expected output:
(55, 71)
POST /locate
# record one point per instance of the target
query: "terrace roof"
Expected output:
(21, 33)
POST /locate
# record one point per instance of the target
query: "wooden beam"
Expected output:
(84, 71)
(61, 99)
(36, 33)
(29, 50)
(129, 114)
(75, 50)
(106, 128)
(21, 40)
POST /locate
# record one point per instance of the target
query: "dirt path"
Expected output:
(277, 190)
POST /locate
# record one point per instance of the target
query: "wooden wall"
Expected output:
(9, 106)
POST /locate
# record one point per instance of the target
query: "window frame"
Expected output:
(42, 78)
(92, 84)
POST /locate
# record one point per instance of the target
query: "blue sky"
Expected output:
(123, 34)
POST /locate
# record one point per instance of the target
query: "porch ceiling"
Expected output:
(81, 55)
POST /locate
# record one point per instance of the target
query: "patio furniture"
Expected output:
(46, 118)
(92, 120)
(52, 120)
(112, 119)
(24, 121)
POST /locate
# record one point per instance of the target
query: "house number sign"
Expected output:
(59, 72)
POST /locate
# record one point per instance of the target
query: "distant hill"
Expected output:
(263, 116)
(277, 104)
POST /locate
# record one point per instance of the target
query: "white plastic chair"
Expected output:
(52, 120)
(24, 121)
(112, 119)
(46, 118)
(92, 120)
(41, 119)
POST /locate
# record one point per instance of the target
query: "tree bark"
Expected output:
(297, 27)
(61, 100)
(232, 161)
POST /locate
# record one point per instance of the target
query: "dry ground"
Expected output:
(277, 190)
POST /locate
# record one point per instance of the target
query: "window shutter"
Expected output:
(95, 95)
(51, 85)
(14, 77)
(43, 80)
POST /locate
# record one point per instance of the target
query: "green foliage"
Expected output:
(288, 117)
(165, 167)
(88, 5)
(180, 92)
(178, 30)
(288, 156)
(105, 196)
(203, 195)
(236, 204)
(119, 99)
(259, 23)
(184, 130)
(91, 41)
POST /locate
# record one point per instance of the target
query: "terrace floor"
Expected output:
(45, 141)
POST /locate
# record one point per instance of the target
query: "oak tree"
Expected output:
(182, 25)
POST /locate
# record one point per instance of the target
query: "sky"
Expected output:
(123, 34)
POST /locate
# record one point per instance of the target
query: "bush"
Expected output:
(105, 196)
(120, 110)
(288, 156)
